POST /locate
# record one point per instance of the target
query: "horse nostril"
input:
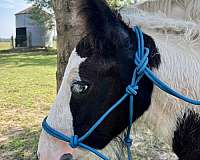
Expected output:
(67, 157)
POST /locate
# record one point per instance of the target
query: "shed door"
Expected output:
(21, 37)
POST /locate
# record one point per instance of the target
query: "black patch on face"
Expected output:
(186, 141)
(110, 47)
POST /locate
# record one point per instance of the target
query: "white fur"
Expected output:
(160, 22)
(60, 117)
(179, 44)
(179, 9)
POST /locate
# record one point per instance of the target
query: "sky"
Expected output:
(8, 8)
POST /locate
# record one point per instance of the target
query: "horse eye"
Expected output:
(79, 87)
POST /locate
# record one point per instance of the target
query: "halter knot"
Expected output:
(74, 142)
(128, 142)
(132, 89)
(142, 62)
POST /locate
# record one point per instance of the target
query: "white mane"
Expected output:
(159, 23)
(185, 9)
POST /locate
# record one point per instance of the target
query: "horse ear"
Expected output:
(97, 17)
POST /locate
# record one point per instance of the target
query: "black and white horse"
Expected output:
(98, 72)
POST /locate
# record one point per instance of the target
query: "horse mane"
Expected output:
(191, 7)
(158, 22)
(178, 40)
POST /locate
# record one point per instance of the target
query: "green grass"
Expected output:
(27, 89)
(5, 45)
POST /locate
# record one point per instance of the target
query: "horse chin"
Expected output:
(50, 148)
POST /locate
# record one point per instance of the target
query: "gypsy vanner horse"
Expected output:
(98, 72)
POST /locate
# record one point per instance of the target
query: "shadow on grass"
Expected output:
(11, 51)
(22, 146)
(23, 59)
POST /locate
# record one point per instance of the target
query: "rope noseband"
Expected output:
(141, 61)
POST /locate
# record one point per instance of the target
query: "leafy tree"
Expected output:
(42, 13)
(119, 3)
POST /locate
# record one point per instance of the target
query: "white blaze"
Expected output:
(60, 117)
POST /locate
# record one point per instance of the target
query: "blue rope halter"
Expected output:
(141, 61)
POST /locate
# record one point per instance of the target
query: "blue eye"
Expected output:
(79, 87)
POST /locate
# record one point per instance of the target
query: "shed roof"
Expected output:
(26, 11)
(29, 10)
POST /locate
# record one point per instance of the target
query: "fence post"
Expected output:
(12, 42)
(30, 40)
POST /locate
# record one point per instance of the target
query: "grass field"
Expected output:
(27, 89)
(5, 45)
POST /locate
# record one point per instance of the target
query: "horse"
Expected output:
(99, 70)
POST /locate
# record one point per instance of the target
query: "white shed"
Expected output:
(29, 33)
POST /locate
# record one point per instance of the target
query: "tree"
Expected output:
(43, 18)
(68, 33)
(42, 13)
(119, 3)
(68, 28)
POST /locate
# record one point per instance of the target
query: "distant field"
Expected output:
(5, 45)
(27, 89)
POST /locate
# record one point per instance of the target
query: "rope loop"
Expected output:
(74, 142)
(128, 142)
(132, 89)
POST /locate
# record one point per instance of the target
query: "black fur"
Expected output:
(98, 20)
(186, 141)
(110, 47)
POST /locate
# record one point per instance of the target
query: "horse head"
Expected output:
(99, 70)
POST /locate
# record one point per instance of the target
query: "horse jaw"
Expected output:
(60, 117)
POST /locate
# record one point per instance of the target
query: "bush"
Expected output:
(119, 3)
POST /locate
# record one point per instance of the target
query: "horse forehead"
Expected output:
(74, 61)
(61, 109)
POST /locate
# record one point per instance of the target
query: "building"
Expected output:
(31, 34)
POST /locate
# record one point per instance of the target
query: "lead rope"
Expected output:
(141, 61)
